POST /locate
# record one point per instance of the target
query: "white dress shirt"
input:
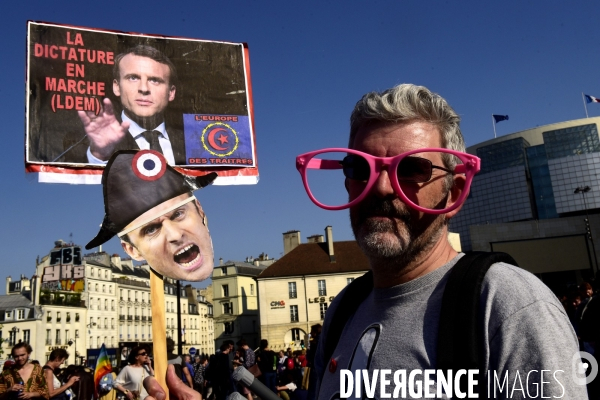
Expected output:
(136, 131)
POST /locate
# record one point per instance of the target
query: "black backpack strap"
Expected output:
(460, 340)
(356, 292)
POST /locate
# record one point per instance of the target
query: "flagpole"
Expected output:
(584, 104)
(494, 125)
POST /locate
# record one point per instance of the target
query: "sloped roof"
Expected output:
(243, 268)
(11, 301)
(313, 259)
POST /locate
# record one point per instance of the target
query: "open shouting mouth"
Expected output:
(189, 257)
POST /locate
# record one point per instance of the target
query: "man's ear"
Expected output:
(455, 193)
(131, 251)
(172, 93)
(116, 88)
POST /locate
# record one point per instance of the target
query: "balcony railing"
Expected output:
(58, 342)
(130, 318)
(121, 318)
(144, 318)
(137, 317)
(48, 342)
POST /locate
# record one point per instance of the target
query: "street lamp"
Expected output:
(583, 190)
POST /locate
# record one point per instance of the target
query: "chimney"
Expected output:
(315, 239)
(116, 260)
(291, 240)
(8, 281)
(221, 261)
(35, 290)
(329, 236)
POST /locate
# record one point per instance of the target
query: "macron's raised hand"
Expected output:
(103, 130)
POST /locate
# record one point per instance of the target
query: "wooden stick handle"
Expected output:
(159, 329)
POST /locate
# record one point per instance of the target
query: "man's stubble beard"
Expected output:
(396, 242)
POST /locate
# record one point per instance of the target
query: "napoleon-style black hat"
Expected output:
(136, 181)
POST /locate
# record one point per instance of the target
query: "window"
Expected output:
(58, 337)
(92, 272)
(251, 289)
(106, 275)
(9, 314)
(323, 308)
(103, 288)
(224, 271)
(48, 337)
(292, 290)
(76, 317)
(294, 313)
(228, 328)
(91, 342)
(96, 287)
(21, 314)
(225, 290)
(322, 288)
(58, 316)
(296, 335)
(349, 280)
(12, 340)
(68, 316)
(227, 308)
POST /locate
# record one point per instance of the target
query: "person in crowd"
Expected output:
(131, 377)
(249, 360)
(266, 360)
(56, 390)
(25, 378)
(187, 364)
(281, 364)
(219, 373)
(199, 379)
(407, 175)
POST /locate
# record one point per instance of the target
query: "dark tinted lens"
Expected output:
(414, 169)
(356, 167)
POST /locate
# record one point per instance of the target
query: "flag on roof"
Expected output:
(499, 118)
(591, 99)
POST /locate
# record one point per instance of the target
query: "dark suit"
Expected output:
(78, 154)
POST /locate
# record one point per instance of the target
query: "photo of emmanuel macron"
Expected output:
(151, 208)
(144, 79)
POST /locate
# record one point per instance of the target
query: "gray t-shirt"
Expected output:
(525, 331)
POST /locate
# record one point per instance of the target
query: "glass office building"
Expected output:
(532, 175)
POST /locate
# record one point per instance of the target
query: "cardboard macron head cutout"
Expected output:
(150, 206)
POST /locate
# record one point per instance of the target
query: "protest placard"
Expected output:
(91, 92)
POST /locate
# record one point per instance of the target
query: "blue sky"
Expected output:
(310, 63)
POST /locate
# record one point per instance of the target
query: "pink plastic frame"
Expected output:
(470, 166)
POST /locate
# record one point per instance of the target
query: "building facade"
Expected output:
(79, 302)
(296, 290)
(235, 302)
(534, 175)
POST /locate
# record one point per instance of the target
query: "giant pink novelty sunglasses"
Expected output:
(411, 167)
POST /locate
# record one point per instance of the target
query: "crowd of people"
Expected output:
(286, 373)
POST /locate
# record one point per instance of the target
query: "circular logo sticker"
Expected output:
(149, 165)
(219, 139)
